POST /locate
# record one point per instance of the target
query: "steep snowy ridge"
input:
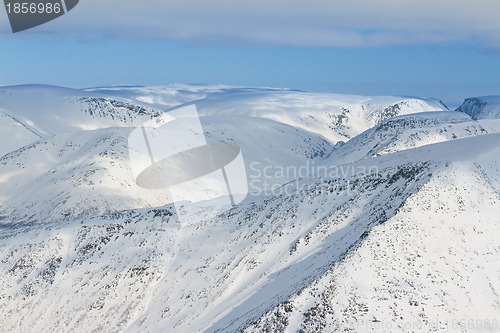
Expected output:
(117, 110)
(88, 173)
(222, 274)
(48, 110)
(394, 230)
(409, 131)
(51, 110)
(14, 134)
(279, 128)
(70, 176)
(434, 266)
(404, 107)
(335, 117)
(487, 107)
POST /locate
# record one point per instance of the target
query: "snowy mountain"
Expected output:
(48, 110)
(487, 107)
(14, 134)
(78, 142)
(335, 117)
(393, 230)
(409, 131)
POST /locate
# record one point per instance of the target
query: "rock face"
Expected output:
(394, 230)
(487, 107)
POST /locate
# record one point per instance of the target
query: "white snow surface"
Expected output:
(394, 230)
(14, 134)
(73, 159)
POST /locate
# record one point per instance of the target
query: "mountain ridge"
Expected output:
(400, 230)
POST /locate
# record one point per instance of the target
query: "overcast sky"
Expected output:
(446, 49)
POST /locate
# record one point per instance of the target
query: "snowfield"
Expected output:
(391, 228)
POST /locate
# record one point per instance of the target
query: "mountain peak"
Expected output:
(486, 107)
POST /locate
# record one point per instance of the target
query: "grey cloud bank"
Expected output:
(319, 23)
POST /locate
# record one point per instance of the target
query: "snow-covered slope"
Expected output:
(335, 117)
(432, 267)
(88, 173)
(160, 97)
(487, 107)
(69, 176)
(141, 271)
(397, 226)
(48, 110)
(14, 134)
(81, 168)
(409, 131)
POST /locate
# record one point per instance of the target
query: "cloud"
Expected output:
(317, 23)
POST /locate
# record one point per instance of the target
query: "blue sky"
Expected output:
(447, 51)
